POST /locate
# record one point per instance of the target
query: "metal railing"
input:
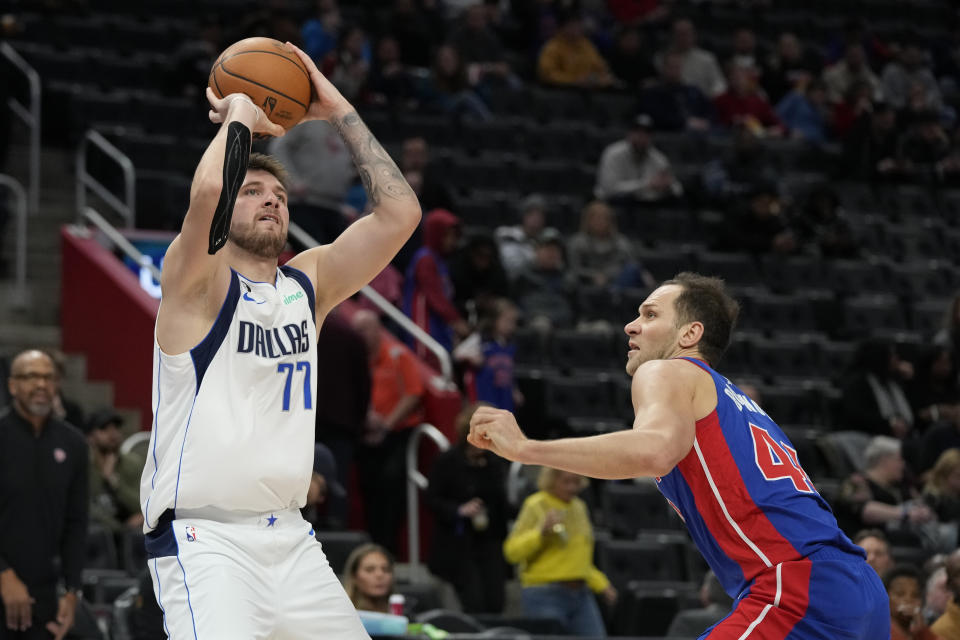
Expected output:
(30, 117)
(417, 482)
(91, 215)
(20, 268)
(443, 356)
(126, 208)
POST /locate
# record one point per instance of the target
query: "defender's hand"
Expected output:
(497, 431)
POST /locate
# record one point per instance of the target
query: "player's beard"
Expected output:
(263, 244)
(644, 355)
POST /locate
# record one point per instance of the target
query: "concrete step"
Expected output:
(15, 336)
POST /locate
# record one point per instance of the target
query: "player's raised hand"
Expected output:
(220, 107)
(326, 102)
(496, 430)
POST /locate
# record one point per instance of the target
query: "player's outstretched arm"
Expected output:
(189, 263)
(367, 246)
(662, 433)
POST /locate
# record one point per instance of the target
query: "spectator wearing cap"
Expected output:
(396, 406)
(518, 242)
(569, 59)
(114, 476)
(544, 290)
(700, 67)
(672, 103)
(323, 483)
(744, 103)
(633, 169)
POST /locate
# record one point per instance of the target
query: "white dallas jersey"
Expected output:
(233, 424)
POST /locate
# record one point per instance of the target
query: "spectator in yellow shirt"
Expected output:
(570, 59)
(552, 541)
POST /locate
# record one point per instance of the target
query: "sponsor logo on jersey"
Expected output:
(293, 297)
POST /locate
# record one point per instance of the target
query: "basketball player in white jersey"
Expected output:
(234, 368)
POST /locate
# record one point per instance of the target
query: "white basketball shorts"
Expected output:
(221, 574)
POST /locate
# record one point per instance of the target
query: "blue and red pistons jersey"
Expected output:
(744, 496)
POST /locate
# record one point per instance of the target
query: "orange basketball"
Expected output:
(270, 73)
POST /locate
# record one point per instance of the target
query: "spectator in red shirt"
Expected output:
(744, 102)
(396, 405)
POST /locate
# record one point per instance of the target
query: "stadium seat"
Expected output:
(792, 405)
(501, 135)
(531, 347)
(579, 397)
(845, 451)
(627, 561)
(101, 552)
(786, 274)
(630, 508)
(785, 358)
(856, 277)
(927, 315)
(450, 621)
(780, 313)
(133, 552)
(549, 105)
(874, 314)
(337, 546)
(570, 349)
(736, 269)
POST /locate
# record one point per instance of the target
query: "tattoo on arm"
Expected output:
(381, 177)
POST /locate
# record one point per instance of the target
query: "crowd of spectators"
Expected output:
(878, 110)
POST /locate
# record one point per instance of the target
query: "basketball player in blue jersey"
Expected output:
(234, 384)
(728, 470)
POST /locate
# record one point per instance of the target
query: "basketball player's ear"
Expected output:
(690, 334)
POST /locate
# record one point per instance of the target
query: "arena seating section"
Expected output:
(108, 68)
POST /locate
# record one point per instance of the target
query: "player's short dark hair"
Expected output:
(902, 571)
(705, 299)
(263, 162)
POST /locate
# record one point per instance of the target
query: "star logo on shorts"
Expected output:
(271, 520)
